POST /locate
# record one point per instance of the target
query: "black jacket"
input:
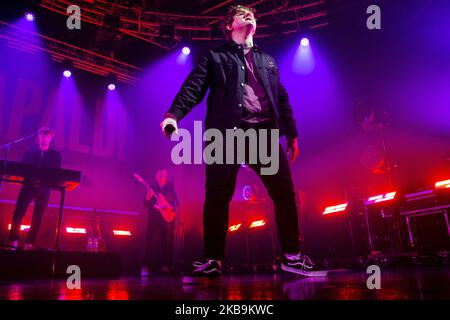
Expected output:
(223, 71)
(50, 158)
(34, 156)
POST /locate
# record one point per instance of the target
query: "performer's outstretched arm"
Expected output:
(192, 91)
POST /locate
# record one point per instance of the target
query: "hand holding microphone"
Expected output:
(169, 126)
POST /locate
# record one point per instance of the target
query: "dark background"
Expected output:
(401, 72)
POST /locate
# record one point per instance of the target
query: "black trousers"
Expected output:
(220, 187)
(26, 196)
(159, 247)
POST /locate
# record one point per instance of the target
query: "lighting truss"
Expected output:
(60, 51)
(290, 16)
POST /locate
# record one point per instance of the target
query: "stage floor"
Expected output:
(419, 283)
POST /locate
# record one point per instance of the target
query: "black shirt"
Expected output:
(50, 158)
(35, 156)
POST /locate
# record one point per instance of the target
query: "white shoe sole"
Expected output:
(321, 273)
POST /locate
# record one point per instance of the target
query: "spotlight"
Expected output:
(258, 223)
(337, 208)
(381, 198)
(67, 73)
(111, 80)
(122, 232)
(234, 227)
(186, 50)
(23, 227)
(75, 230)
(29, 16)
(304, 42)
(445, 184)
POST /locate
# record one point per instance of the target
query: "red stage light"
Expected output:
(445, 184)
(381, 198)
(234, 227)
(122, 233)
(257, 223)
(75, 230)
(23, 227)
(337, 208)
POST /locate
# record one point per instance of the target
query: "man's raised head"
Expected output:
(44, 137)
(239, 17)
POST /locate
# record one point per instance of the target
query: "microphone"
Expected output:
(169, 129)
(9, 144)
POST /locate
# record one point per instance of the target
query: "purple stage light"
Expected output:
(111, 86)
(29, 16)
(304, 42)
(67, 73)
(186, 50)
(303, 62)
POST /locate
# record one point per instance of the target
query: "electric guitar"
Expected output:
(162, 205)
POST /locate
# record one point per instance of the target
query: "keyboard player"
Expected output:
(41, 155)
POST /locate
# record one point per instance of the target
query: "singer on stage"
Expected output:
(41, 155)
(244, 92)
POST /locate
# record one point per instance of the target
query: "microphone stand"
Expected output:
(7, 147)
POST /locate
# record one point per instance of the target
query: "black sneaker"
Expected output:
(302, 265)
(204, 272)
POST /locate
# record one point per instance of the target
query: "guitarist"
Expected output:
(160, 237)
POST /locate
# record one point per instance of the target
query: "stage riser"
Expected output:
(77, 219)
(30, 265)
